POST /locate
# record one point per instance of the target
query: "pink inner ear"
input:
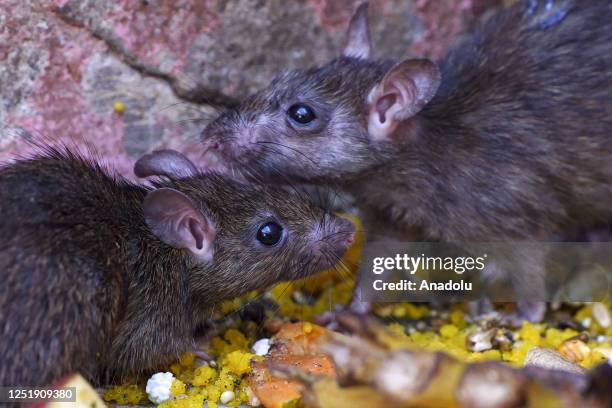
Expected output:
(383, 104)
(196, 230)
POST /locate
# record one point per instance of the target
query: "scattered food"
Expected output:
(227, 396)
(480, 340)
(574, 350)
(158, 387)
(453, 356)
(601, 315)
(261, 347)
(550, 359)
(119, 107)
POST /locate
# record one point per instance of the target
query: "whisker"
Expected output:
(290, 148)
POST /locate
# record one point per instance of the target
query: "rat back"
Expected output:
(60, 292)
(516, 142)
(511, 141)
(507, 139)
(522, 121)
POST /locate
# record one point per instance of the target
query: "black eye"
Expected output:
(302, 114)
(270, 233)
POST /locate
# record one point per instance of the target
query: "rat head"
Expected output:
(331, 123)
(238, 237)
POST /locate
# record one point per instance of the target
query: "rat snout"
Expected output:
(229, 137)
(217, 153)
(212, 159)
(213, 140)
(334, 235)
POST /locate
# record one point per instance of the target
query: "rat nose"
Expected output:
(338, 233)
(210, 141)
(346, 230)
(350, 240)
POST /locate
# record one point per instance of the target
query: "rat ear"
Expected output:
(173, 218)
(169, 163)
(400, 95)
(358, 34)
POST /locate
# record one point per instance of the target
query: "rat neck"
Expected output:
(406, 190)
(158, 282)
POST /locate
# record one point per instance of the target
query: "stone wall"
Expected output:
(68, 66)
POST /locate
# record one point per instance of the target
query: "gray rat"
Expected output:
(110, 278)
(509, 138)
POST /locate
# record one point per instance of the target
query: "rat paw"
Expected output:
(330, 319)
(481, 308)
(532, 311)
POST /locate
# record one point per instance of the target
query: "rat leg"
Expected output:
(143, 345)
(533, 311)
(529, 282)
(355, 307)
(481, 307)
(524, 269)
(376, 227)
(155, 329)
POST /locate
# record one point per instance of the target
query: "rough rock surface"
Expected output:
(64, 63)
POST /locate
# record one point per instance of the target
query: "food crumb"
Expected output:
(159, 387)
(412, 325)
(227, 396)
(125, 394)
(261, 347)
(119, 107)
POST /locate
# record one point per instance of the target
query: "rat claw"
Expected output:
(203, 355)
(202, 358)
(343, 317)
(531, 311)
(481, 308)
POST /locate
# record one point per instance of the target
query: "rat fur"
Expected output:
(90, 283)
(506, 139)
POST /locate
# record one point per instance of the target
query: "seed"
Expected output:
(601, 315)
(227, 396)
(550, 359)
(480, 341)
(574, 350)
(119, 107)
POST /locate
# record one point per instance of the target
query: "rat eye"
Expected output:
(301, 113)
(270, 233)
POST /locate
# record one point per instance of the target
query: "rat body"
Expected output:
(110, 279)
(509, 138)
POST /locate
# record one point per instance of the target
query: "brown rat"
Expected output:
(109, 278)
(509, 138)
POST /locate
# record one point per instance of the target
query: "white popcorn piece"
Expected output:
(261, 347)
(158, 387)
(227, 396)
